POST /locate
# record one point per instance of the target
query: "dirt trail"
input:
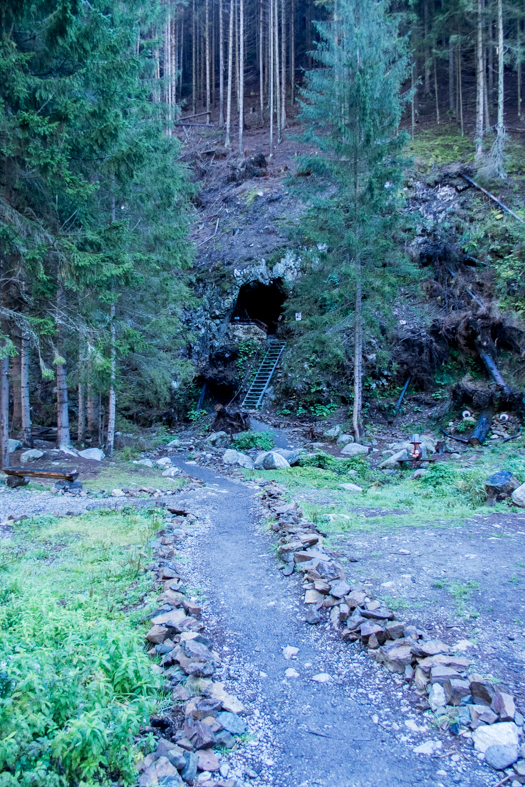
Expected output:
(322, 734)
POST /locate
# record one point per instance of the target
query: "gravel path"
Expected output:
(332, 734)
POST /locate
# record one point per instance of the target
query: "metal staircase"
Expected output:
(261, 381)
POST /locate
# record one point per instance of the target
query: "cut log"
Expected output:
(23, 472)
(482, 428)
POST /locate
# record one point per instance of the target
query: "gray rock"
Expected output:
(173, 444)
(334, 432)
(292, 456)
(232, 723)
(351, 487)
(144, 462)
(504, 733)
(14, 445)
(164, 461)
(344, 439)
(218, 439)
(232, 457)
(274, 461)
(500, 485)
(225, 739)
(392, 461)
(501, 757)
(354, 449)
(313, 616)
(518, 496)
(92, 453)
(189, 773)
(340, 589)
(419, 473)
(31, 455)
(437, 697)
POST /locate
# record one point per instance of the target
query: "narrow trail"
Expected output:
(323, 734)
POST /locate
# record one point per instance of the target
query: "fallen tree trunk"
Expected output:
(25, 473)
(493, 370)
(482, 428)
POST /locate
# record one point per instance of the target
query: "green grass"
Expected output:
(446, 147)
(127, 475)
(75, 683)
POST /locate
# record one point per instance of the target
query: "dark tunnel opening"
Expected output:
(260, 303)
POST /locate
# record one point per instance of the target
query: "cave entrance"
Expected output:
(261, 304)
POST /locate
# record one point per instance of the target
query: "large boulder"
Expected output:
(518, 496)
(274, 461)
(291, 455)
(334, 432)
(92, 453)
(232, 457)
(31, 456)
(14, 445)
(354, 449)
(500, 485)
(344, 439)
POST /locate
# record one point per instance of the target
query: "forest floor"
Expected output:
(445, 564)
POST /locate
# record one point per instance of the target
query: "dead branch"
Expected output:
(453, 437)
(513, 436)
(492, 197)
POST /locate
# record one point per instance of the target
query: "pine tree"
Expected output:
(351, 107)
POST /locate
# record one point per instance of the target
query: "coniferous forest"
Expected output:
(262, 341)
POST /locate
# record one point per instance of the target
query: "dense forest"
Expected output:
(97, 204)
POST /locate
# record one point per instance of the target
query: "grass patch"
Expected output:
(128, 476)
(75, 683)
(445, 147)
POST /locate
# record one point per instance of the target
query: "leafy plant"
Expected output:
(246, 440)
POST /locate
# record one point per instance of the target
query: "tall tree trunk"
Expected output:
(436, 90)
(500, 129)
(518, 68)
(480, 79)
(63, 435)
(194, 60)
(358, 353)
(81, 422)
(413, 102)
(25, 405)
(4, 394)
(292, 52)
(277, 71)
(261, 61)
(221, 63)
(460, 90)
(451, 75)
(15, 374)
(241, 75)
(271, 82)
(283, 65)
(227, 141)
(110, 442)
(427, 47)
(92, 415)
(207, 56)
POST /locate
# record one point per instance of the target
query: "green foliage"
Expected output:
(339, 467)
(435, 149)
(76, 684)
(351, 109)
(444, 480)
(245, 440)
(197, 416)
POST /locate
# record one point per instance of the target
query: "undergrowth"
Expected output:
(246, 440)
(75, 683)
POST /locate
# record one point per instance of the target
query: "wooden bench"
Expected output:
(19, 476)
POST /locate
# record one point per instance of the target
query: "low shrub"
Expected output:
(246, 440)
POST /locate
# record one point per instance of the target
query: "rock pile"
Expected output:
(465, 703)
(204, 715)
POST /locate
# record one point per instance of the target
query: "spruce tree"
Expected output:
(351, 110)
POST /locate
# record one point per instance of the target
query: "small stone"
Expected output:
(368, 628)
(313, 597)
(190, 771)
(340, 589)
(395, 630)
(503, 705)
(157, 634)
(225, 739)
(429, 747)
(232, 723)
(501, 757)
(481, 714)
(322, 677)
(396, 657)
(117, 493)
(313, 616)
(504, 733)
(165, 770)
(291, 673)
(437, 697)
(482, 692)
(164, 461)
(289, 652)
(207, 761)
(456, 690)
(355, 598)
(144, 462)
